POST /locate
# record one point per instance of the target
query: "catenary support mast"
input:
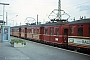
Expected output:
(59, 10)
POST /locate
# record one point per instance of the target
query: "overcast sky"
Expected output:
(30, 8)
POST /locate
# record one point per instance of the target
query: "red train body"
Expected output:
(72, 34)
(54, 34)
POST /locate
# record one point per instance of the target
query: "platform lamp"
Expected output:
(11, 19)
(3, 9)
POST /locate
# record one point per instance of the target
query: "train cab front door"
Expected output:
(66, 31)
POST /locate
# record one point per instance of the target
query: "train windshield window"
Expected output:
(46, 31)
(80, 31)
(57, 31)
(51, 31)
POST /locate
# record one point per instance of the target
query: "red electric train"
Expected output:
(74, 34)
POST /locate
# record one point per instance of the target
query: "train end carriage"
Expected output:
(15, 31)
(56, 34)
(79, 37)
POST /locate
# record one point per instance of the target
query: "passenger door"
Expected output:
(66, 31)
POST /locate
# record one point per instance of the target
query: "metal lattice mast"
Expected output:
(59, 10)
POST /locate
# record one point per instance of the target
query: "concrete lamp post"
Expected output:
(3, 9)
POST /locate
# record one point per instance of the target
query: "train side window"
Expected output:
(31, 30)
(51, 31)
(22, 30)
(37, 31)
(34, 31)
(70, 31)
(28, 30)
(12, 30)
(89, 31)
(80, 31)
(15, 30)
(46, 31)
(57, 31)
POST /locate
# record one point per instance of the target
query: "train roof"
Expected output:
(55, 24)
(81, 21)
(41, 25)
(15, 27)
(23, 26)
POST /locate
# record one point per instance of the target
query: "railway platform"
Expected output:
(37, 51)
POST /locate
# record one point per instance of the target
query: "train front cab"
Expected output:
(56, 35)
(15, 31)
